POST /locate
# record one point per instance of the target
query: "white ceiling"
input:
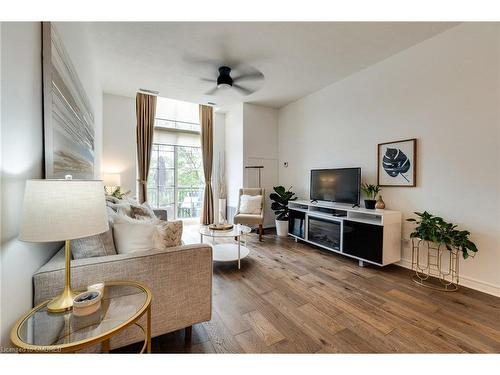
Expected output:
(295, 58)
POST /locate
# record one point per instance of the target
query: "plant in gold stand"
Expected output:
(436, 245)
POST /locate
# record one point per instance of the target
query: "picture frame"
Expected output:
(397, 163)
(68, 117)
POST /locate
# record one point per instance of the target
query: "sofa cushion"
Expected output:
(251, 204)
(143, 211)
(93, 246)
(133, 235)
(168, 234)
(120, 208)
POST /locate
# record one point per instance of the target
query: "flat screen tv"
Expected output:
(341, 185)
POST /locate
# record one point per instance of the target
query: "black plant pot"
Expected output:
(370, 204)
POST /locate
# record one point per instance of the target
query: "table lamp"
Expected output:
(111, 182)
(63, 210)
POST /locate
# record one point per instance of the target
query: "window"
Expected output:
(175, 179)
(177, 115)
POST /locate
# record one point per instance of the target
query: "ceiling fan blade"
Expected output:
(250, 76)
(208, 80)
(212, 91)
(242, 90)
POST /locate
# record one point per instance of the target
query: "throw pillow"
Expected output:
(94, 246)
(168, 234)
(134, 235)
(250, 204)
(110, 198)
(142, 211)
(112, 215)
(121, 208)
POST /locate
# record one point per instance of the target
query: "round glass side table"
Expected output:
(228, 252)
(123, 304)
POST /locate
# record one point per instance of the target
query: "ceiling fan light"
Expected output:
(223, 86)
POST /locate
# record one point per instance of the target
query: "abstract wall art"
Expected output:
(68, 116)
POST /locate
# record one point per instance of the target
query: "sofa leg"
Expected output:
(261, 232)
(188, 334)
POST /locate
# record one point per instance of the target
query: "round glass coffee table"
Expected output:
(228, 252)
(123, 304)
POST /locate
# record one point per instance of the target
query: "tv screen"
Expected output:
(336, 185)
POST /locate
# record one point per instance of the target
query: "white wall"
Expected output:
(22, 158)
(234, 154)
(443, 91)
(119, 143)
(260, 147)
(22, 152)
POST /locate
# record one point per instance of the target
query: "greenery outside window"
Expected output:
(176, 180)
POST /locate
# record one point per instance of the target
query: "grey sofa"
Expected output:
(180, 279)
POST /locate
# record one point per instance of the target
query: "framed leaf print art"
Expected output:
(397, 163)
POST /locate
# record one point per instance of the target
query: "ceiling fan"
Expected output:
(225, 81)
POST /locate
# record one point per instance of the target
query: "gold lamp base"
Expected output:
(64, 302)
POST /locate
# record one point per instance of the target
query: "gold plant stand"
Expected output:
(435, 266)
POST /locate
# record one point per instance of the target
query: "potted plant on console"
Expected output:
(371, 192)
(280, 199)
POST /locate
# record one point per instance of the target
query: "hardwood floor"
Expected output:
(290, 297)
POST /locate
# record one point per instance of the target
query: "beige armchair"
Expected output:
(251, 219)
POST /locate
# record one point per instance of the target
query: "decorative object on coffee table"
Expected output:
(397, 163)
(123, 304)
(371, 192)
(280, 199)
(220, 226)
(63, 210)
(436, 246)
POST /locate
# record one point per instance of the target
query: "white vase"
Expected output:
(222, 211)
(282, 228)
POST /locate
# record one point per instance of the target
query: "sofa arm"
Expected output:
(180, 279)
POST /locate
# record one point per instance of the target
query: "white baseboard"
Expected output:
(466, 281)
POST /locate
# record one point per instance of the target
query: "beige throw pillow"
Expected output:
(168, 234)
(133, 235)
(144, 234)
(250, 204)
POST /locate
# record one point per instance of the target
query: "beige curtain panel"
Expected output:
(145, 106)
(206, 119)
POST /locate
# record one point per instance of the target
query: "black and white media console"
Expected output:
(372, 236)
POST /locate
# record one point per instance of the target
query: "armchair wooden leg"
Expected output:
(188, 334)
(261, 232)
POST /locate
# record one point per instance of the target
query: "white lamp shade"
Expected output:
(59, 210)
(111, 179)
